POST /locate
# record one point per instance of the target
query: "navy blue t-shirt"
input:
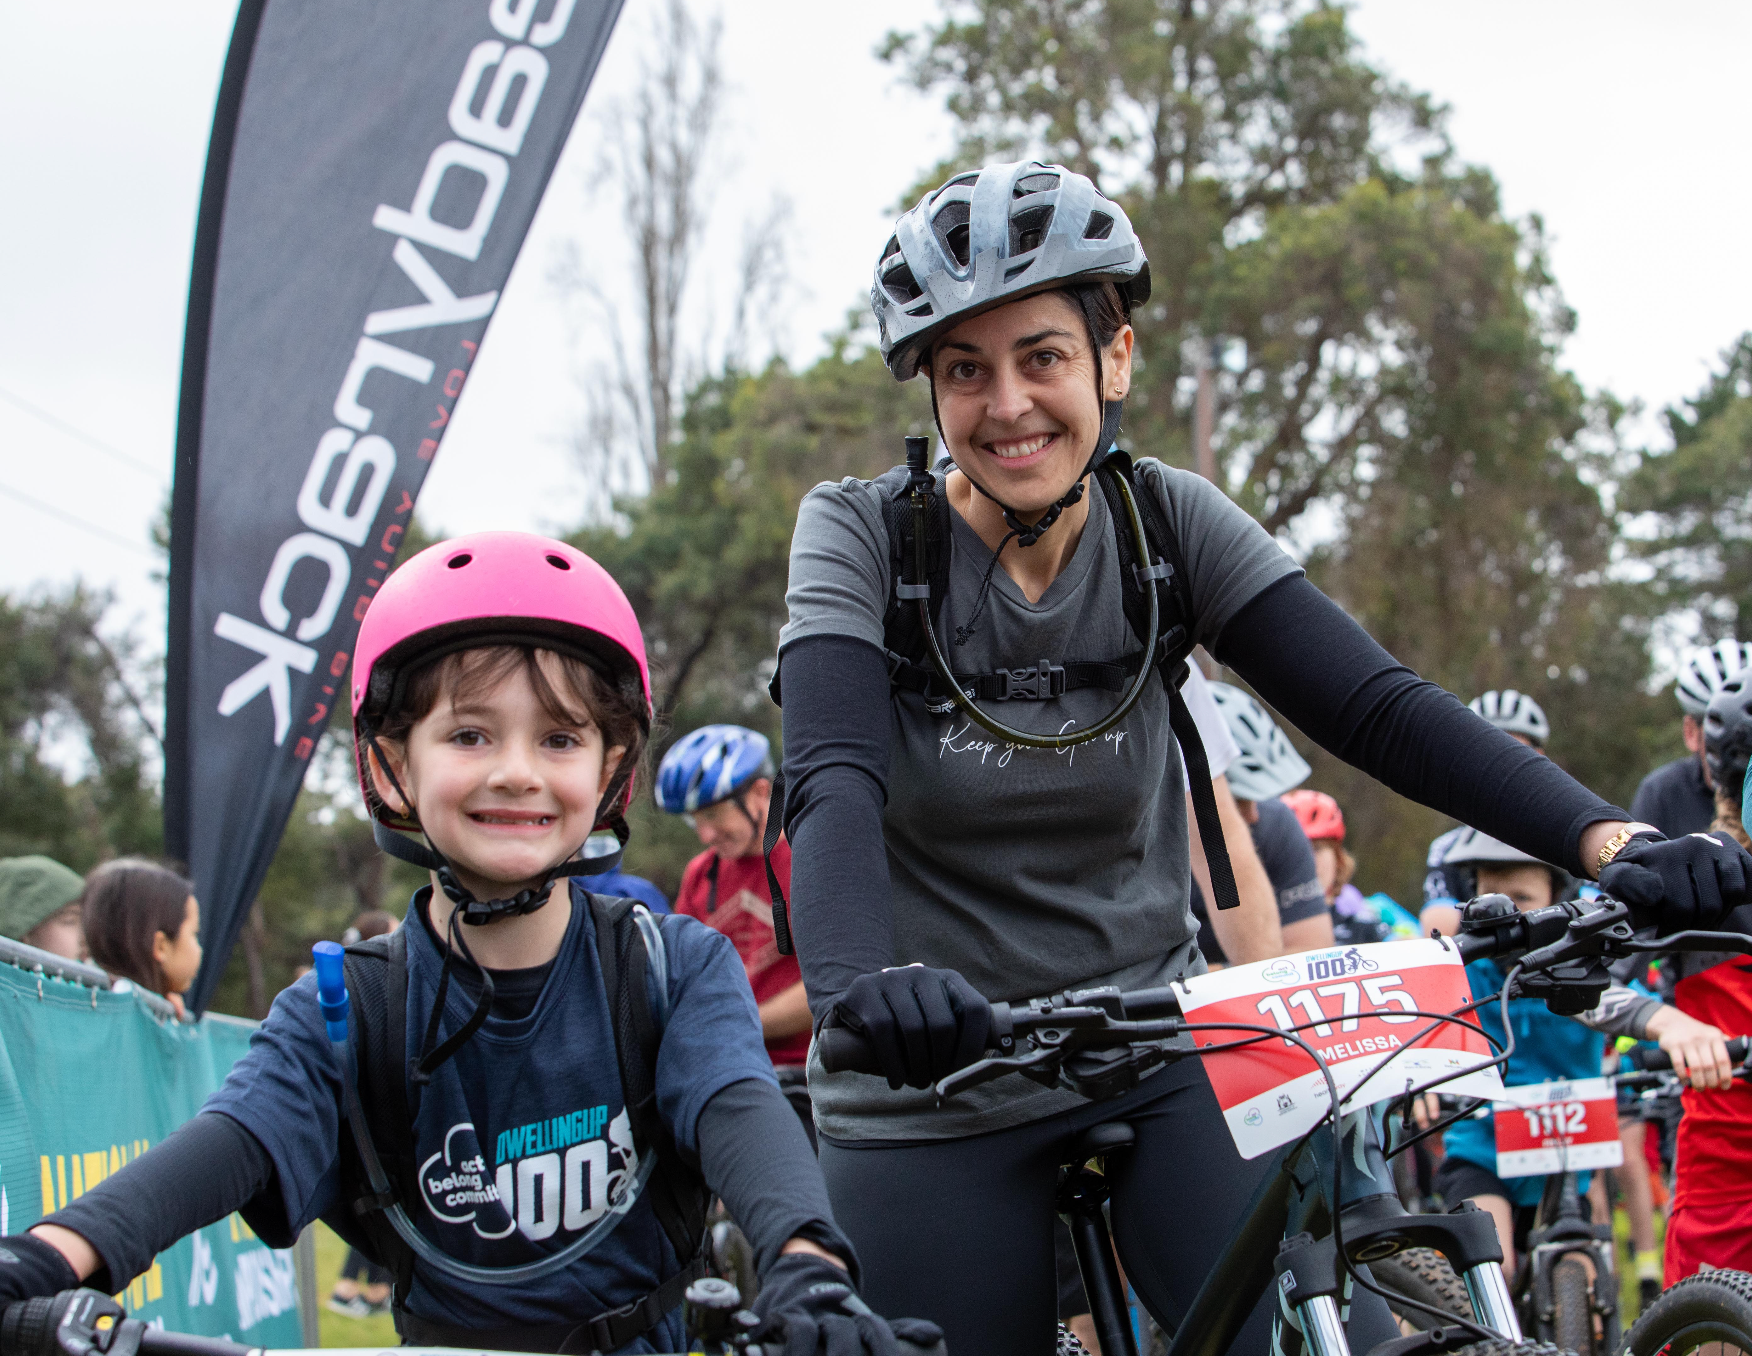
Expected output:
(523, 1135)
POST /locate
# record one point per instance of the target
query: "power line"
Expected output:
(82, 436)
(80, 523)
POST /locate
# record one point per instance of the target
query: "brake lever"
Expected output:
(1693, 940)
(996, 1066)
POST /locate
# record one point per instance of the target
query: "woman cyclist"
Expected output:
(937, 867)
(500, 704)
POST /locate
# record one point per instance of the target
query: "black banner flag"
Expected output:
(372, 172)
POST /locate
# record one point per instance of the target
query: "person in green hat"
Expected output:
(39, 905)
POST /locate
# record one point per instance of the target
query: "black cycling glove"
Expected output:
(808, 1307)
(30, 1267)
(921, 1023)
(1688, 882)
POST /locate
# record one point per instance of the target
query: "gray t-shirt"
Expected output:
(1027, 871)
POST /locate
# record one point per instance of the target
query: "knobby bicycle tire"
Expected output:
(1069, 1344)
(1713, 1306)
(1572, 1310)
(1421, 1274)
(1502, 1346)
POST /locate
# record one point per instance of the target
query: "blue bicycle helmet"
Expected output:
(709, 765)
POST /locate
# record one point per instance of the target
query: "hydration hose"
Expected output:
(329, 960)
(921, 487)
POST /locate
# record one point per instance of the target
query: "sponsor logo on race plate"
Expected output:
(1367, 1011)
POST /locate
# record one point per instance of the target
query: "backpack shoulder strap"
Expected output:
(902, 635)
(627, 947)
(377, 985)
(1167, 576)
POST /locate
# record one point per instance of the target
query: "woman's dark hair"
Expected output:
(126, 904)
(581, 696)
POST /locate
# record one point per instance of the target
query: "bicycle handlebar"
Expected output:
(1653, 1061)
(843, 1050)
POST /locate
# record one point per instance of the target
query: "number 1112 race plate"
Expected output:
(1357, 1006)
(1542, 1128)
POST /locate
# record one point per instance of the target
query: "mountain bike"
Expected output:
(1327, 1206)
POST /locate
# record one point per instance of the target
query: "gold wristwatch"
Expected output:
(1615, 844)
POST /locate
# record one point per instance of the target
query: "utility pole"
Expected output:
(1204, 415)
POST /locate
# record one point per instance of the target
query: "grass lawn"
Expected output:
(337, 1330)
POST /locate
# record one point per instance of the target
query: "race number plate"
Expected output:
(1361, 1001)
(1542, 1128)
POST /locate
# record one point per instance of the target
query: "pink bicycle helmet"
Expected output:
(1318, 814)
(493, 588)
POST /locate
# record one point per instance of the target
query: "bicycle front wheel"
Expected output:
(1710, 1313)
(1572, 1322)
(1421, 1274)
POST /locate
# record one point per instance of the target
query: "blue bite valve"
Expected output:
(329, 958)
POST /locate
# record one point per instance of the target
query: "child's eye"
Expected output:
(468, 739)
(565, 739)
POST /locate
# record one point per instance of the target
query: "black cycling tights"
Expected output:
(960, 1231)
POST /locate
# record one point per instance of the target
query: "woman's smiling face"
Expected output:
(1016, 397)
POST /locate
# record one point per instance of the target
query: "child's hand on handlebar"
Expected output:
(1698, 1050)
(809, 1307)
(30, 1268)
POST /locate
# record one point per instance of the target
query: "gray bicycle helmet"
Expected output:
(1705, 669)
(992, 236)
(1513, 713)
(1474, 848)
(1269, 764)
(1727, 735)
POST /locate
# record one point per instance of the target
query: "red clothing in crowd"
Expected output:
(735, 900)
(1711, 1220)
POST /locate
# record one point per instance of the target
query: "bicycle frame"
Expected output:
(1286, 1239)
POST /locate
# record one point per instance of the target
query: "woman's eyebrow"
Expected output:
(1029, 340)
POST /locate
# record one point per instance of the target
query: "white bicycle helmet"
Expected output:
(1269, 764)
(1705, 669)
(1512, 712)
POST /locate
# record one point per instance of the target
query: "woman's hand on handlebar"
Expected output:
(1687, 882)
(922, 1024)
(1698, 1050)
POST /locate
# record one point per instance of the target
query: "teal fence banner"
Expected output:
(91, 1079)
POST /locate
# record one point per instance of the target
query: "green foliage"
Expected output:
(704, 557)
(1697, 499)
(64, 702)
(1390, 398)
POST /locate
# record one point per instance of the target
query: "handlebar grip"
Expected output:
(843, 1050)
(1659, 1059)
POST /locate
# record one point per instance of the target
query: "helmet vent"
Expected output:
(1034, 183)
(1017, 270)
(559, 562)
(921, 310)
(1028, 229)
(950, 226)
(900, 284)
(457, 561)
(1100, 226)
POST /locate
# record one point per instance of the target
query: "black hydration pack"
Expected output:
(910, 668)
(377, 985)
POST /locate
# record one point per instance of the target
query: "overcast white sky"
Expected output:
(1619, 123)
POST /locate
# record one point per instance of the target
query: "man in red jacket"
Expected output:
(720, 779)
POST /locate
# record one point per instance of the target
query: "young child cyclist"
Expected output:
(501, 702)
(1547, 1046)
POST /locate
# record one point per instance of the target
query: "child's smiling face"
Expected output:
(504, 787)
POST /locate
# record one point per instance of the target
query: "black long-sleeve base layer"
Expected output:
(1295, 647)
(753, 1152)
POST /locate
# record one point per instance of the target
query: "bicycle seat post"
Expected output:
(1081, 1194)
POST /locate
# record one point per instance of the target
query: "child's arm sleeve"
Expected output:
(199, 1174)
(755, 1155)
